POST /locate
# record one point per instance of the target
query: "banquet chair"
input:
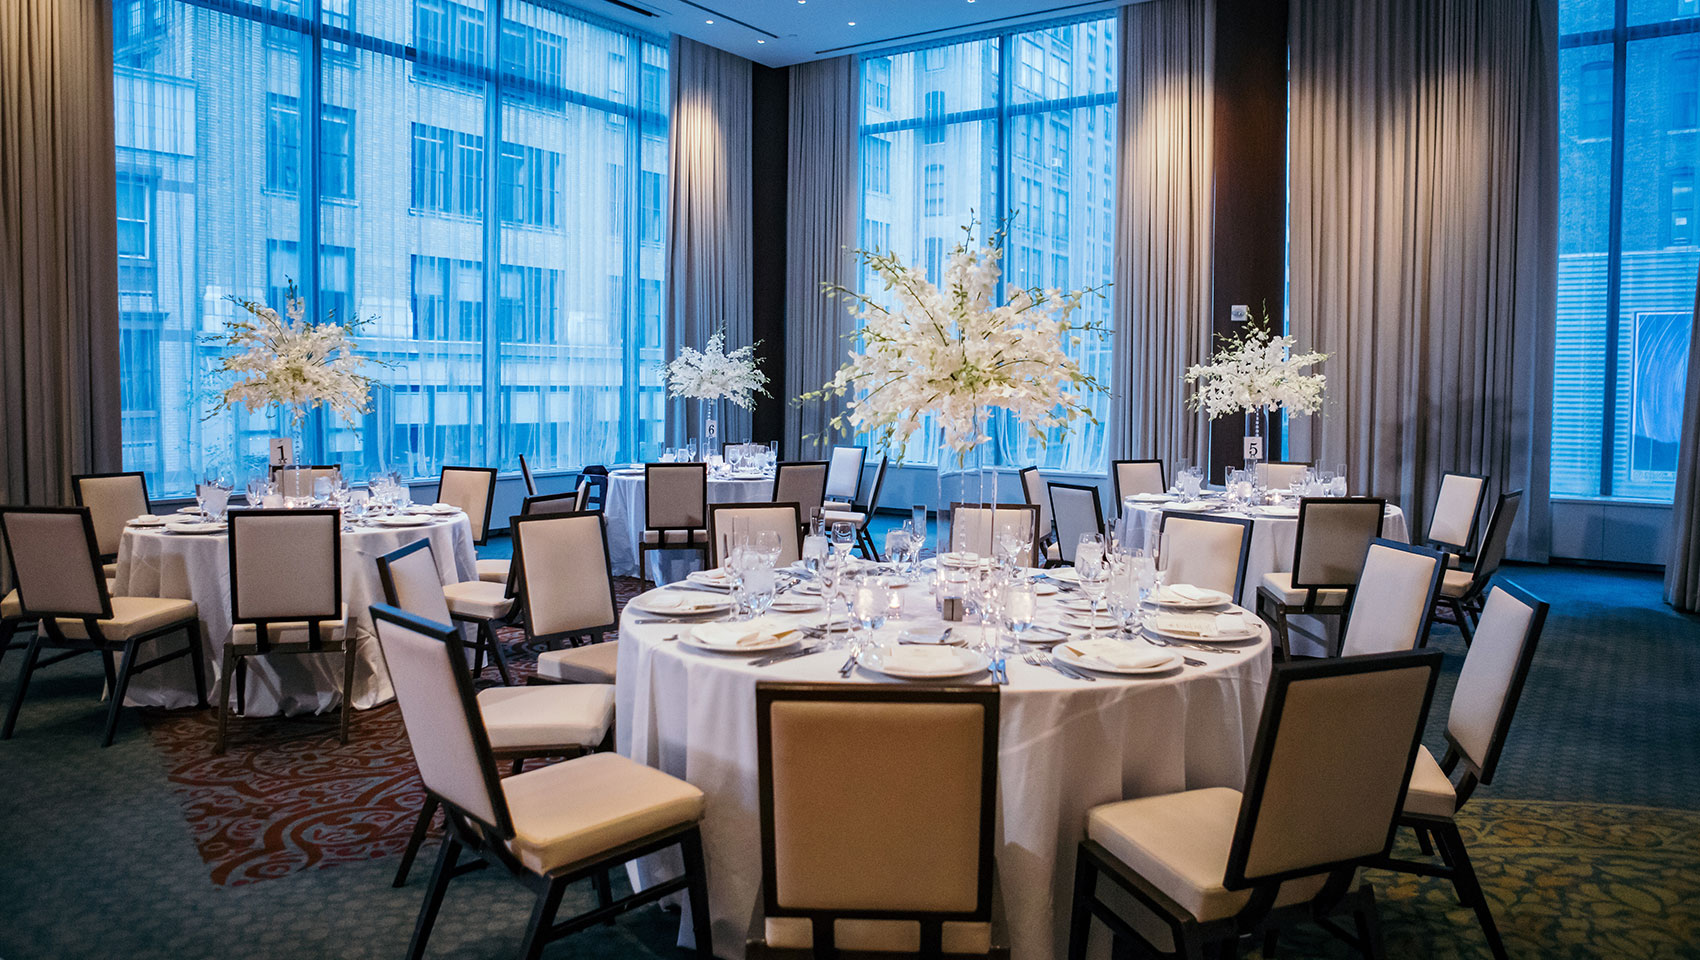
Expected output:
(299, 481)
(1207, 552)
(1483, 702)
(1395, 596)
(1457, 508)
(499, 569)
(971, 526)
(844, 476)
(55, 561)
(803, 482)
(859, 516)
(1461, 591)
(848, 862)
(1137, 476)
(472, 489)
(525, 474)
(725, 520)
(483, 604)
(11, 621)
(549, 827)
(523, 722)
(1208, 866)
(675, 511)
(1280, 474)
(595, 490)
(300, 614)
(113, 499)
(566, 556)
(1037, 491)
(1328, 556)
(1077, 512)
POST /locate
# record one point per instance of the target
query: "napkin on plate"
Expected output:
(1118, 654)
(680, 601)
(749, 633)
(1201, 624)
(921, 658)
(1186, 592)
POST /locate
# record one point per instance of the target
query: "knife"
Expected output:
(781, 657)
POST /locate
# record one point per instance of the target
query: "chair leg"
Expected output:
(1080, 915)
(1464, 625)
(242, 685)
(1423, 843)
(691, 846)
(604, 887)
(110, 669)
(31, 655)
(421, 826)
(198, 663)
(542, 918)
(1468, 887)
(1271, 943)
(496, 653)
(447, 857)
(1369, 928)
(8, 630)
(224, 698)
(123, 684)
(347, 689)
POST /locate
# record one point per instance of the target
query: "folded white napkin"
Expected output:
(750, 633)
(681, 601)
(147, 519)
(1201, 624)
(1118, 653)
(1187, 593)
(921, 658)
(715, 575)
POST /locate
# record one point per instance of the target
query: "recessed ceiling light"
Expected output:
(852, 23)
(761, 41)
(709, 22)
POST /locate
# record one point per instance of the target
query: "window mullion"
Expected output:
(1614, 256)
(489, 439)
(311, 108)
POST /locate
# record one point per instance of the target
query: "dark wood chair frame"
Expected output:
(488, 843)
(1275, 611)
(598, 494)
(50, 637)
(661, 544)
(487, 649)
(1433, 591)
(1116, 477)
(482, 533)
(1027, 508)
(864, 539)
(316, 642)
(1097, 511)
(1463, 549)
(1243, 523)
(1192, 937)
(1443, 833)
(77, 491)
(1047, 537)
(714, 557)
(525, 474)
(822, 921)
(1463, 612)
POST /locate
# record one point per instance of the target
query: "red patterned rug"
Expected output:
(286, 796)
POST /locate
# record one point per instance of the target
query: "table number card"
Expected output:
(1254, 448)
(283, 451)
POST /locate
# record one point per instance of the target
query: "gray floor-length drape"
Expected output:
(1163, 223)
(709, 281)
(820, 230)
(1424, 243)
(1682, 568)
(58, 249)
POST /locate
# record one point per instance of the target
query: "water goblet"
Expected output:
(1089, 549)
(759, 588)
(814, 553)
(256, 491)
(897, 547)
(1020, 602)
(917, 541)
(870, 605)
(1094, 582)
(843, 537)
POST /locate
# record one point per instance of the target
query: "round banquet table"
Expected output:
(154, 563)
(1065, 746)
(624, 511)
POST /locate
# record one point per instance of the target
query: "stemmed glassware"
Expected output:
(917, 538)
(1094, 575)
(1012, 544)
(843, 538)
(871, 605)
(897, 546)
(259, 488)
(1020, 602)
(814, 553)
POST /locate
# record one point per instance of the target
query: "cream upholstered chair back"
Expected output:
(525, 474)
(1329, 767)
(1137, 476)
(1395, 598)
(972, 526)
(1456, 509)
(1281, 473)
(1491, 682)
(433, 688)
(472, 489)
(727, 521)
(1077, 512)
(113, 499)
(1333, 539)
(1494, 541)
(675, 496)
(553, 503)
(1207, 552)
(562, 561)
(55, 562)
(285, 565)
(412, 583)
(848, 825)
(801, 482)
(844, 473)
(1037, 491)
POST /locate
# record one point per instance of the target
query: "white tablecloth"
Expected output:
(624, 511)
(1064, 746)
(152, 563)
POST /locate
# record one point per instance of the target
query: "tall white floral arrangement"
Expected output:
(714, 374)
(951, 350)
(292, 362)
(1256, 371)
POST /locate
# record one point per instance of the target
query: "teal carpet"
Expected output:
(1587, 840)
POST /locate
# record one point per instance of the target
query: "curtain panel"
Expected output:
(1682, 568)
(1424, 197)
(58, 249)
(1163, 224)
(820, 230)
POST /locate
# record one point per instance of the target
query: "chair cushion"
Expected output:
(11, 607)
(289, 631)
(478, 599)
(1280, 586)
(494, 571)
(594, 663)
(573, 811)
(109, 570)
(1179, 843)
(528, 718)
(133, 616)
(1053, 551)
(1430, 793)
(676, 536)
(1456, 583)
(848, 516)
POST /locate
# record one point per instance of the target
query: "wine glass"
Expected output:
(1089, 549)
(843, 537)
(760, 584)
(735, 455)
(897, 546)
(814, 553)
(1020, 601)
(871, 605)
(917, 540)
(1094, 582)
(1012, 544)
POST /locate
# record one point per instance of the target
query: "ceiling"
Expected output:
(779, 33)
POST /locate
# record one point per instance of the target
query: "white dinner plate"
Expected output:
(966, 662)
(764, 645)
(1150, 497)
(711, 578)
(194, 529)
(1249, 632)
(437, 509)
(404, 520)
(1192, 506)
(687, 603)
(1061, 574)
(194, 511)
(1279, 510)
(1062, 652)
(795, 604)
(1163, 598)
(1075, 618)
(147, 521)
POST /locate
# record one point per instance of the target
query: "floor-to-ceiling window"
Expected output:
(1019, 125)
(477, 180)
(1629, 147)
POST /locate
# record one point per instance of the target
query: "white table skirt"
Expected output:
(1065, 746)
(624, 511)
(152, 563)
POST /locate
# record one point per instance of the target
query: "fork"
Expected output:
(1039, 658)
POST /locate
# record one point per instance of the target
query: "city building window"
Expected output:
(135, 217)
(336, 153)
(877, 165)
(527, 182)
(1596, 101)
(877, 74)
(935, 189)
(933, 132)
(283, 144)
(1030, 71)
(1682, 206)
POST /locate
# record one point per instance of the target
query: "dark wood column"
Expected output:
(770, 106)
